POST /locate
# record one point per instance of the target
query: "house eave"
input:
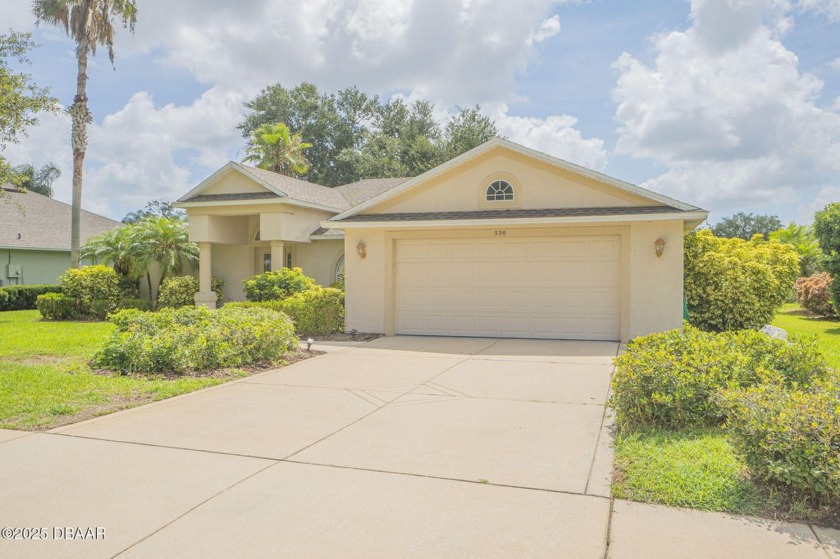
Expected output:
(564, 220)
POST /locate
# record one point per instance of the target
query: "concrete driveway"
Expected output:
(403, 447)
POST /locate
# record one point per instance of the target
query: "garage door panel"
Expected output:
(552, 287)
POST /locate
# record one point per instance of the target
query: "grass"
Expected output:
(797, 321)
(692, 469)
(45, 381)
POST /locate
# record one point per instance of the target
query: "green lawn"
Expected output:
(692, 469)
(700, 469)
(45, 380)
(796, 321)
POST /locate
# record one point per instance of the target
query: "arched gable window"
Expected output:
(499, 191)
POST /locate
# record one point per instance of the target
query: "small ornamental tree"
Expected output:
(827, 230)
(733, 284)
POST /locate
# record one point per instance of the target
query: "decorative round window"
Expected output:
(499, 191)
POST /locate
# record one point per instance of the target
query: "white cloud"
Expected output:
(555, 135)
(142, 151)
(725, 108)
(828, 8)
(548, 29)
(461, 51)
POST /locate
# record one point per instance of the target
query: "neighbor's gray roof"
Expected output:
(357, 192)
(508, 214)
(43, 223)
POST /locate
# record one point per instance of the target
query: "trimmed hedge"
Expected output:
(789, 436)
(195, 338)
(316, 312)
(673, 379)
(277, 285)
(733, 284)
(57, 306)
(179, 291)
(95, 289)
(24, 297)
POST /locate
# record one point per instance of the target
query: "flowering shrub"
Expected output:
(190, 338)
(733, 284)
(814, 294)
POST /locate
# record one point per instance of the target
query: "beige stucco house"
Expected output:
(500, 241)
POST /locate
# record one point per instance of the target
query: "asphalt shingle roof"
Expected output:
(508, 214)
(357, 192)
(31, 220)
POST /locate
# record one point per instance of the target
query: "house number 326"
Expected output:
(500, 233)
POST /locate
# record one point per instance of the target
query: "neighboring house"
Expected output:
(501, 241)
(35, 236)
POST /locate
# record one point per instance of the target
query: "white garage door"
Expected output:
(547, 287)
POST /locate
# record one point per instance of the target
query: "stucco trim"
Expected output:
(280, 200)
(671, 216)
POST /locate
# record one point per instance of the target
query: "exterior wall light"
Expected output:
(659, 246)
(361, 248)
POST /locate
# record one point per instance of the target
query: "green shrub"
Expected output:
(827, 231)
(23, 297)
(133, 303)
(195, 338)
(96, 290)
(316, 312)
(179, 291)
(789, 436)
(814, 294)
(673, 379)
(273, 286)
(57, 306)
(732, 284)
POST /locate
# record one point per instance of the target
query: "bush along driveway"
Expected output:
(734, 422)
(46, 379)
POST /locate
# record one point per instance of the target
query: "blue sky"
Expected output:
(733, 105)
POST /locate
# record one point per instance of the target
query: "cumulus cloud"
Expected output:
(725, 108)
(462, 51)
(555, 135)
(141, 152)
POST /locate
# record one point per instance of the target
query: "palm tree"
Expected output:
(805, 242)
(117, 247)
(274, 147)
(89, 23)
(39, 181)
(166, 242)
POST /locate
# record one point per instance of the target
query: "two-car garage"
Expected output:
(502, 286)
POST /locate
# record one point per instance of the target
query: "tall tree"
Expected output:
(20, 99)
(166, 242)
(155, 208)
(356, 136)
(90, 23)
(803, 239)
(37, 180)
(275, 148)
(745, 226)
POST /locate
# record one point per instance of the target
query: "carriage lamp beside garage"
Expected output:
(361, 248)
(659, 246)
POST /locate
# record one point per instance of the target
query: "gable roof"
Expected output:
(43, 223)
(358, 192)
(496, 143)
(291, 190)
(279, 186)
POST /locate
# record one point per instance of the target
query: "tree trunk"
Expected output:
(149, 281)
(81, 117)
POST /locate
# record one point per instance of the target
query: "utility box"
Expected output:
(14, 271)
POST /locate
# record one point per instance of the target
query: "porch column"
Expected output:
(276, 255)
(205, 297)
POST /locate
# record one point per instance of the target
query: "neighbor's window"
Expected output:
(499, 191)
